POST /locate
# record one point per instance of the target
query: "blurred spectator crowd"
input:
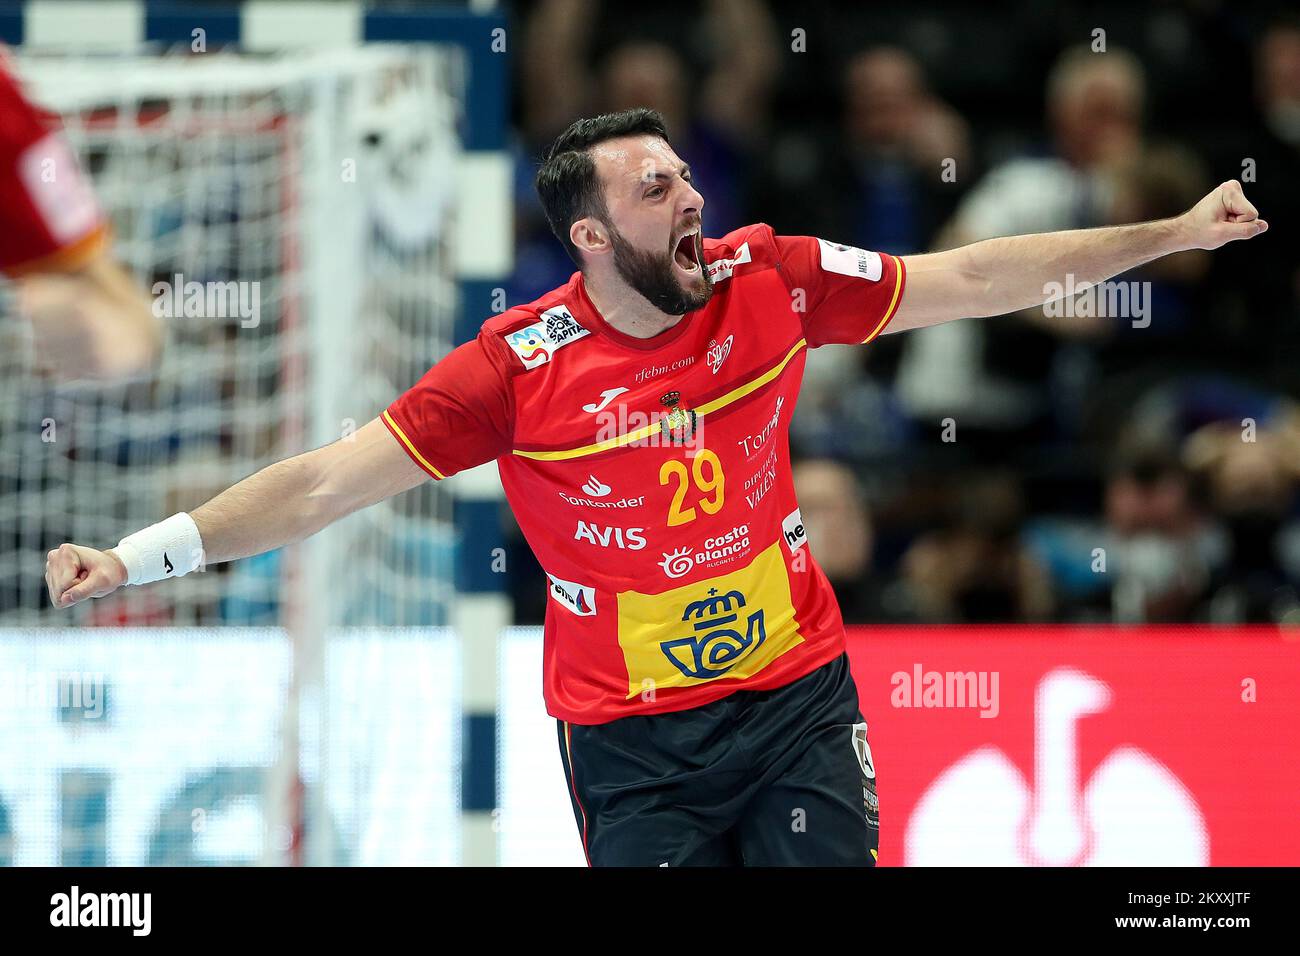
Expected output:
(1125, 467)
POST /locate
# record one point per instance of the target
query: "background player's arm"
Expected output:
(89, 318)
(279, 505)
(998, 276)
(90, 322)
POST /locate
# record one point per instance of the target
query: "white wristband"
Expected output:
(168, 549)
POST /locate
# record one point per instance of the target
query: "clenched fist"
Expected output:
(74, 573)
(1222, 216)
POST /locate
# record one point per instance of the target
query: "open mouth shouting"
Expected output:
(688, 252)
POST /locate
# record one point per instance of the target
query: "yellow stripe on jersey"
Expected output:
(741, 391)
(707, 408)
(415, 452)
(893, 303)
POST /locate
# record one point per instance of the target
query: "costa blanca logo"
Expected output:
(578, 598)
(595, 487)
(536, 343)
(1133, 811)
(850, 261)
(718, 353)
(75, 908)
(719, 549)
(716, 645)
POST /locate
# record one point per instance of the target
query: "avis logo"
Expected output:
(1132, 811)
(715, 647)
(625, 539)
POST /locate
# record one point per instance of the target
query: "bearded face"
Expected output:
(672, 279)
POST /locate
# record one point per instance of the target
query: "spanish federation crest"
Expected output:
(679, 424)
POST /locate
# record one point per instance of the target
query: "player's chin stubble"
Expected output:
(654, 276)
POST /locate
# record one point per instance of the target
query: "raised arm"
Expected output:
(997, 276)
(279, 505)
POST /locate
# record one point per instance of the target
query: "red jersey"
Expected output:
(49, 218)
(651, 477)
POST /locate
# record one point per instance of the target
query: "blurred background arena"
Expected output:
(1090, 494)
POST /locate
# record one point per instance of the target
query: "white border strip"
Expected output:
(84, 24)
(485, 228)
(268, 25)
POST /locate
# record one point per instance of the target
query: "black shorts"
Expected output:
(778, 777)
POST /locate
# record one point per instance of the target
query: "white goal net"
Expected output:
(291, 216)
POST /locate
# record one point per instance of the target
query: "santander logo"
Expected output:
(1133, 811)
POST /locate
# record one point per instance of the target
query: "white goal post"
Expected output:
(299, 219)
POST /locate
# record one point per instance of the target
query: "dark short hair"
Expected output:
(567, 182)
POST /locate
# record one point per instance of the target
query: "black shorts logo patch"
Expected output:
(862, 750)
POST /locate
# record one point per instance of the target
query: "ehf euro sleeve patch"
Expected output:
(850, 261)
(536, 343)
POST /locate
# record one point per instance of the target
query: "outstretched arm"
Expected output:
(279, 505)
(997, 276)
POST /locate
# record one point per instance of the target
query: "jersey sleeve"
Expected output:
(49, 218)
(460, 413)
(844, 295)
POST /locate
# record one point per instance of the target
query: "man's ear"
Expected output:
(590, 236)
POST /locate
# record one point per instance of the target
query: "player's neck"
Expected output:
(626, 310)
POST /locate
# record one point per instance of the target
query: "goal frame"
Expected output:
(484, 244)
